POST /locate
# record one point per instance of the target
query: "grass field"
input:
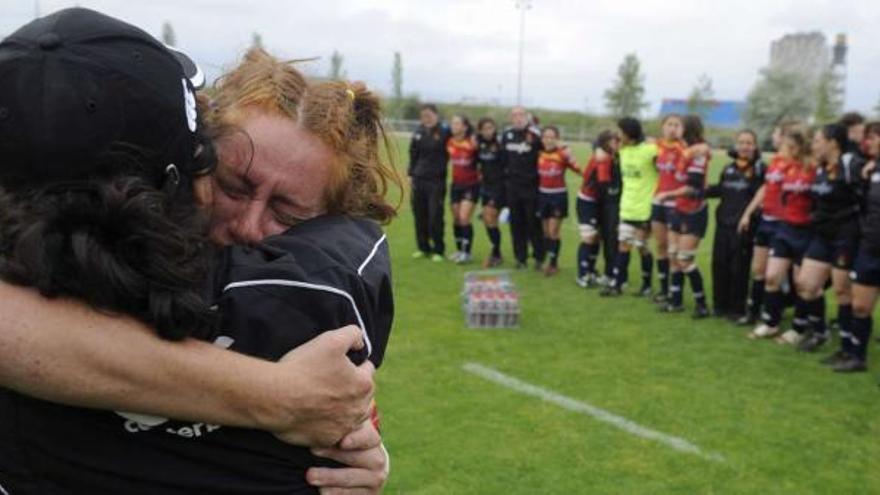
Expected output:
(782, 423)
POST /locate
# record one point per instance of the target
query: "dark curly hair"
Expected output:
(117, 241)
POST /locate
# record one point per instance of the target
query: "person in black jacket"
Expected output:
(521, 144)
(428, 160)
(732, 250)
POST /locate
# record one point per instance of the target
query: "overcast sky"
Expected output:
(456, 49)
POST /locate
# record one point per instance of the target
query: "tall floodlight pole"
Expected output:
(522, 6)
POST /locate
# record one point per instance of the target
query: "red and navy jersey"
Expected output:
(772, 207)
(693, 171)
(670, 155)
(797, 197)
(551, 169)
(597, 172)
(463, 157)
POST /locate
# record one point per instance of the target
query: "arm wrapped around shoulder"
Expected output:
(117, 243)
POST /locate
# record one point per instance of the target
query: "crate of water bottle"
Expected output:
(490, 300)
(487, 281)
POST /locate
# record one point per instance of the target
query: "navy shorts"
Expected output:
(587, 212)
(553, 205)
(790, 242)
(766, 232)
(662, 213)
(839, 253)
(690, 223)
(867, 269)
(464, 193)
(494, 196)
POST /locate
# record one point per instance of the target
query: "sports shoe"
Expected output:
(492, 262)
(850, 364)
(551, 270)
(437, 258)
(790, 337)
(747, 320)
(609, 291)
(834, 358)
(813, 343)
(643, 292)
(455, 256)
(700, 312)
(582, 281)
(463, 259)
(671, 308)
(763, 331)
(419, 255)
(603, 280)
(660, 299)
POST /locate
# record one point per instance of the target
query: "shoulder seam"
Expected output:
(306, 285)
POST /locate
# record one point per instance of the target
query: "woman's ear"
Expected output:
(203, 190)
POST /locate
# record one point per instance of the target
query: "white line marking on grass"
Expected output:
(564, 402)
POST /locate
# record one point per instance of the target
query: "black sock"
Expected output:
(844, 319)
(675, 287)
(621, 269)
(802, 312)
(467, 238)
(860, 328)
(583, 259)
(815, 317)
(495, 239)
(773, 303)
(756, 300)
(663, 275)
(647, 269)
(456, 230)
(592, 256)
(555, 247)
(696, 279)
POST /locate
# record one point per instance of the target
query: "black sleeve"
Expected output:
(714, 190)
(272, 317)
(413, 153)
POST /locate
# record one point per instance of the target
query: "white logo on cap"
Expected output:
(189, 102)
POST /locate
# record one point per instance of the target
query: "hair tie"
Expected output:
(350, 93)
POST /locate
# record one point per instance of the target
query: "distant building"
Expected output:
(806, 54)
(717, 113)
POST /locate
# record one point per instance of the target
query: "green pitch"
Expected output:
(782, 423)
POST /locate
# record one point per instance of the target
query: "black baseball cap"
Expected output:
(78, 86)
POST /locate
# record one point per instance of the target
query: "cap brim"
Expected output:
(191, 70)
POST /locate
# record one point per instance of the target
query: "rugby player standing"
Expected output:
(639, 176)
(670, 153)
(690, 218)
(553, 161)
(594, 205)
(465, 190)
(493, 192)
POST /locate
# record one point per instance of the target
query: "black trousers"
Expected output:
(428, 198)
(609, 219)
(731, 266)
(525, 225)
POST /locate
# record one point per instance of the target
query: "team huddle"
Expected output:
(804, 221)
